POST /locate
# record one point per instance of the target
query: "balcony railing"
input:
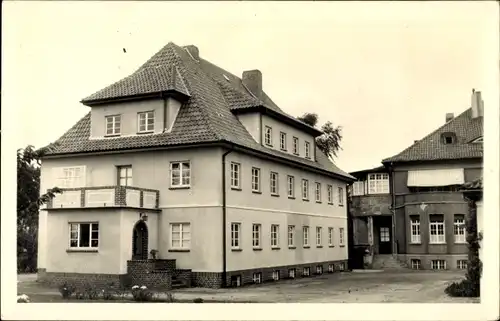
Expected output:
(106, 196)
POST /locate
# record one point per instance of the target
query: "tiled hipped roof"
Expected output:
(432, 148)
(205, 117)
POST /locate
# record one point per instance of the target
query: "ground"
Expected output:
(348, 287)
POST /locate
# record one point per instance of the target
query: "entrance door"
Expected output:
(140, 241)
(385, 245)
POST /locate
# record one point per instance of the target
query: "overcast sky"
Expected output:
(386, 72)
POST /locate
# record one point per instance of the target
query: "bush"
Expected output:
(464, 288)
(142, 294)
(66, 290)
(91, 292)
(23, 298)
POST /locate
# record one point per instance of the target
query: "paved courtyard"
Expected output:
(349, 287)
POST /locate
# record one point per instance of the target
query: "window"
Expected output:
(305, 232)
(113, 125)
(330, 194)
(330, 236)
(415, 229)
(257, 278)
(318, 192)
(462, 264)
(306, 271)
(448, 138)
(255, 179)
(235, 175)
(235, 280)
(181, 235)
(84, 235)
(331, 268)
(146, 122)
(341, 196)
(274, 183)
(307, 147)
(341, 236)
(459, 228)
(268, 137)
(276, 275)
(180, 174)
(291, 236)
(358, 189)
(125, 175)
(291, 186)
(319, 238)
(282, 141)
(235, 235)
(385, 234)
(415, 264)
(275, 236)
(438, 264)
(305, 189)
(378, 183)
(319, 269)
(296, 146)
(256, 228)
(436, 226)
(70, 177)
(291, 273)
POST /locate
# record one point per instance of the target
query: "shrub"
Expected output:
(142, 294)
(464, 288)
(23, 298)
(66, 290)
(91, 292)
(108, 293)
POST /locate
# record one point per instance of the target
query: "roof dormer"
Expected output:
(449, 138)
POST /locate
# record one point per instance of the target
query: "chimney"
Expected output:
(449, 116)
(252, 79)
(477, 104)
(193, 51)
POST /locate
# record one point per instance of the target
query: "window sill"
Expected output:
(415, 243)
(179, 187)
(257, 192)
(236, 188)
(330, 203)
(461, 242)
(179, 250)
(305, 200)
(319, 202)
(112, 135)
(257, 249)
(236, 250)
(276, 248)
(146, 132)
(82, 250)
(291, 197)
(292, 247)
(296, 154)
(275, 195)
(319, 246)
(437, 243)
(284, 150)
(341, 205)
(331, 245)
(268, 145)
(307, 246)
(342, 245)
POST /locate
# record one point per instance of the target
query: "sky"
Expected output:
(386, 72)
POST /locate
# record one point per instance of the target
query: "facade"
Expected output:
(198, 165)
(413, 207)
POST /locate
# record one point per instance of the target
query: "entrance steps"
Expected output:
(387, 262)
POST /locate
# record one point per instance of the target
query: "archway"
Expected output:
(140, 241)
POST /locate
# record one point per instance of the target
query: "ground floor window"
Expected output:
(306, 271)
(438, 264)
(462, 264)
(319, 269)
(236, 280)
(415, 264)
(276, 275)
(257, 278)
(331, 268)
(291, 273)
(84, 235)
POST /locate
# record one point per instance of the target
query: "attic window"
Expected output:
(448, 138)
(225, 77)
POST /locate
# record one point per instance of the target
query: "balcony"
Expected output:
(431, 197)
(105, 196)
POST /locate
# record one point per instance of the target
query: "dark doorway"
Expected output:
(383, 224)
(140, 241)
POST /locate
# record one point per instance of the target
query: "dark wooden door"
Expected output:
(140, 242)
(384, 241)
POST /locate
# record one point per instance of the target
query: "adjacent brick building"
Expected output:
(413, 207)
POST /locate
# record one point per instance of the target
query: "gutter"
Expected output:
(224, 219)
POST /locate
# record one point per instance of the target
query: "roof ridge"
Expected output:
(420, 141)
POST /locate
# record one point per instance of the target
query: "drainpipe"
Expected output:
(394, 210)
(224, 247)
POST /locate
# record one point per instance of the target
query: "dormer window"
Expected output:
(307, 148)
(268, 137)
(449, 138)
(146, 122)
(113, 125)
(283, 141)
